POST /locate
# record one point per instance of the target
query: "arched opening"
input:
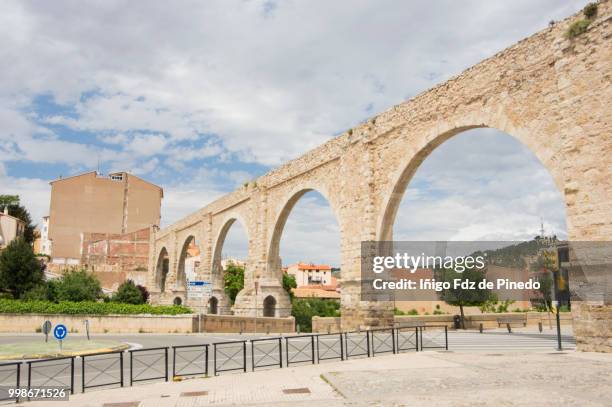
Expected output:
(305, 249)
(269, 306)
(478, 185)
(162, 268)
(213, 305)
(177, 301)
(230, 261)
(189, 261)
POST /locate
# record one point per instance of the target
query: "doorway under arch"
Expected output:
(269, 306)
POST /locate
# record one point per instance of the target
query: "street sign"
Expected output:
(60, 332)
(199, 289)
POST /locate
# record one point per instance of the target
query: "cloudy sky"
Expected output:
(200, 96)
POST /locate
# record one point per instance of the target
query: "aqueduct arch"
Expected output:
(550, 92)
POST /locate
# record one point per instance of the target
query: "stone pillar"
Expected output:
(267, 276)
(358, 224)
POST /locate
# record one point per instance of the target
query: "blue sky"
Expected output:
(202, 96)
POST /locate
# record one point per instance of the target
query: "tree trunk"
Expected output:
(462, 317)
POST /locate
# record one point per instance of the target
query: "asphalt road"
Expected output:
(232, 355)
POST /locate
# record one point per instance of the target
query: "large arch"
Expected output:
(290, 201)
(183, 268)
(161, 269)
(404, 173)
(223, 302)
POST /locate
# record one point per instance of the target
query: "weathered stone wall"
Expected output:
(549, 92)
(236, 324)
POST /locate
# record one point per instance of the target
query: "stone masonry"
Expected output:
(551, 93)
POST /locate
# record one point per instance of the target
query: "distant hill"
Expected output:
(515, 255)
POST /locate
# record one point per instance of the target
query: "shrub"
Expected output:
(577, 28)
(87, 307)
(78, 285)
(20, 271)
(304, 309)
(128, 293)
(144, 292)
(590, 11)
(412, 312)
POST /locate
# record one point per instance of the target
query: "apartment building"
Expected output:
(92, 203)
(10, 228)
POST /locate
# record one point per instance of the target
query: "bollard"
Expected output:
(268, 329)
(298, 329)
(328, 329)
(509, 329)
(480, 327)
(540, 326)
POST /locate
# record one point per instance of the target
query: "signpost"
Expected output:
(198, 289)
(60, 333)
(46, 328)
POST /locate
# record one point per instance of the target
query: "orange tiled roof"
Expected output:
(307, 292)
(306, 266)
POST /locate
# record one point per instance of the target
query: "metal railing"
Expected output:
(190, 360)
(383, 340)
(433, 337)
(406, 338)
(144, 364)
(357, 343)
(107, 370)
(229, 356)
(330, 346)
(51, 372)
(10, 376)
(300, 349)
(266, 352)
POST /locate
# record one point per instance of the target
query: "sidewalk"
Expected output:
(413, 379)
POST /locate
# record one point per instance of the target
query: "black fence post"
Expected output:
(287, 350)
(368, 341)
(393, 339)
(29, 375)
(341, 348)
(206, 358)
(312, 347)
(244, 355)
(18, 380)
(166, 361)
(215, 359)
(173, 362)
(72, 375)
(131, 368)
(83, 374)
(121, 368)
(252, 356)
(416, 336)
(446, 336)
(280, 353)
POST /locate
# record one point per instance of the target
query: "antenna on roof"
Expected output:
(98, 170)
(541, 227)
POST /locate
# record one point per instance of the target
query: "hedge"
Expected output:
(8, 306)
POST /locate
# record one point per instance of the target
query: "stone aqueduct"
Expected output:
(551, 93)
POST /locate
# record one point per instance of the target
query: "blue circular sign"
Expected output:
(60, 332)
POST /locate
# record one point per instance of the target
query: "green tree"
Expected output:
(19, 212)
(233, 280)
(20, 271)
(78, 285)
(128, 293)
(289, 283)
(463, 297)
(303, 309)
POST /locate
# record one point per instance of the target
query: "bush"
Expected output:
(78, 285)
(144, 292)
(304, 309)
(233, 279)
(577, 28)
(87, 307)
(590, 11)
(20, 271)
(128, 293)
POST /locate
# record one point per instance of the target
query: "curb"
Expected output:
(121, 347)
